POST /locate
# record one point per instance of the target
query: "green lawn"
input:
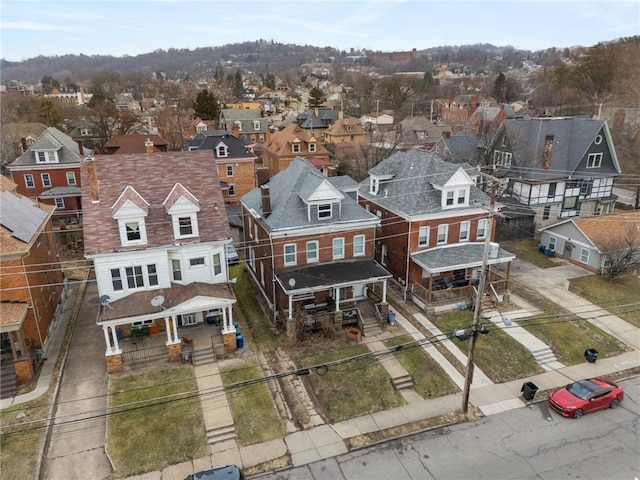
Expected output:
(349, 389)
(527, 250)
(153, 423)
(429, 379)
(497, 354)
(616, 296)
(254, 414)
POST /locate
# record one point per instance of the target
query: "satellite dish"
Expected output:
(292, 282)
(157, 301)
(105, 301)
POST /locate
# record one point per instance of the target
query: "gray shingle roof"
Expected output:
(411, 189)
(288, 210)
(210, 139)
(572, 136)
(465, 147)
(458, 256)
(53, 139)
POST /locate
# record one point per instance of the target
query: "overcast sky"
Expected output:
(130, 27)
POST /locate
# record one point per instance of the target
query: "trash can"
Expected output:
(541, 248)
(239, 341)
(119, 334)
(392, 318)
(529, 390)
(591, 355)
(551, 253)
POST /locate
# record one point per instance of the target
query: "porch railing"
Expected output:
(144, 353)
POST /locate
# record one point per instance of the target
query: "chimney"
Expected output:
(474, 102)
(446, 134)
(340, 114)
(266, 200)
(235, 130)
(90, 163)
(148, 145)
(25, 147)
(80, 148)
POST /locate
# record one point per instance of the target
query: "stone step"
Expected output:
(203, 356)
(403, 382)
(8, 383)
(221, 434)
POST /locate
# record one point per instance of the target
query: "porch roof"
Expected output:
(330, 275)
(12, 314)
(177, 300)
(458, 256)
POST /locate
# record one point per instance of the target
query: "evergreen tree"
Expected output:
(206, 105)
(316, 97)
(238, 87)
(499, 91)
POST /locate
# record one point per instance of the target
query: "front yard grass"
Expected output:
(254, 413)
(567, 335)
(610, 295)
(155, 421)
(351, 388)
(429, 379)
(497, 354)
(20, 441)
(527, 250)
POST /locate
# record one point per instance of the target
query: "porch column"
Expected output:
(227, 322)
(167, 328)
(174, 321)
(506, 283)
(290, 307)
(384, 291)
(105, 331)
(337, 300)
(114, 336)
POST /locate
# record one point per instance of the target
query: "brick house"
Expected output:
(251, 123)
(310, 245)
(283, 146)
(234, 159)
(157, 243)
(49, 172)
(435, 223)
(31, 280)
(135, 142)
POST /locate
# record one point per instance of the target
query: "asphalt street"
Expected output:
(525, 443)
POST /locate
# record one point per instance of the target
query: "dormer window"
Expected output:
(295, 148)
(456, 197)
(222, 151)
(256, 124)
(46, 157)
(350, 128)
(132, 231)
(201, 127)
(312, 147)
(238, 124)
(374, 185)
(183, 208)
(324, 211)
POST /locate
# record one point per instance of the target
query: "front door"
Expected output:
(358, 292)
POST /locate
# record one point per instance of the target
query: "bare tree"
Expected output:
(620, 252)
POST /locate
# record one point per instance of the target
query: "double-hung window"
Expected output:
(290, 254)
(116, 279)
(464, 231)
(71, 178)
(482, 229)
(28, 181)
(152, 273)
(217, 264)
(135, 279)
(46, 180)
(423, 237)
(443, 231)
(338, 248)
(133, 231)
(176, 269)
(358, 245)
(312, 251)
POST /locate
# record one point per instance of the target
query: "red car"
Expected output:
(586, 396)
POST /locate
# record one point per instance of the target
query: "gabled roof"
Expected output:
(280, 141)
(600, 229)
(465, 147)
(572, 137)
(52, 140)
(246, 117)
(288, 190)
(211, 139)
(409, 179)
(153, 177)
(134, 143)
(318, 117)
(341, 127)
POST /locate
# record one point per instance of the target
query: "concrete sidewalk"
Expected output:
(324, 440)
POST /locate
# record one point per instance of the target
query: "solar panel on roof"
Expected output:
(20, 215)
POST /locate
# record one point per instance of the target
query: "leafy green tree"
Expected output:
(49, 83)
(238, 86)
(206, 105)
(316, 97)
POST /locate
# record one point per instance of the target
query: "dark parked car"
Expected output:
(228, 472)
(585, 396)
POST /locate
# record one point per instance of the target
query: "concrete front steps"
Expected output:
(402, 382)
(221, 434)
(370, 327)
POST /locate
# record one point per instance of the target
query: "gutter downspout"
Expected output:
(273, 279)
(406, 279)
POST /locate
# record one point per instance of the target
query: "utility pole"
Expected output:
(478, 305)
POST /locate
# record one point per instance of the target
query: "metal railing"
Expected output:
(144, 353)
